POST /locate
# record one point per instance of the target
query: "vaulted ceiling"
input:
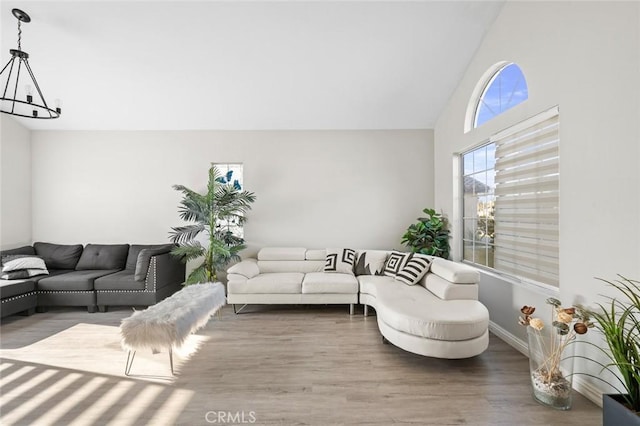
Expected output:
(239, 65)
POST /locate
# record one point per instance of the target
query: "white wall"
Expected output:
(15, 183)
(584, 57)
(314, 188)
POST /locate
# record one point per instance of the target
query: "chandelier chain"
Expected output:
(19, 34)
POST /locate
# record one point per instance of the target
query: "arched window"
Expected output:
(505, 88)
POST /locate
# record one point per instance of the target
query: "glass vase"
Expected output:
(551, 367)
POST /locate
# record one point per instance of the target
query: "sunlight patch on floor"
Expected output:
(137, 406)
(94, 412)
(43, 396)
(9, 394)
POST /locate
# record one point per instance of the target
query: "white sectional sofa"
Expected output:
(284, 275)
(439, 317)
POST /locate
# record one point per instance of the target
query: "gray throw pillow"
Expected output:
(103, 256)
(59, 256)
(144, 257)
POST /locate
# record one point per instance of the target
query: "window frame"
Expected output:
(522, 125)
(237, 229)
(483, 84)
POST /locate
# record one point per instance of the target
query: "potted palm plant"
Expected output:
(619, 322)
(429, 235)
(217, 213)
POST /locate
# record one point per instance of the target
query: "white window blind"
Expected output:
(527, 197)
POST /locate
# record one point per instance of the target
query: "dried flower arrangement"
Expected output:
(551, 387)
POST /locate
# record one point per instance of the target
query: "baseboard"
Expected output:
(588, 390)
(580, 385)
(509, 338)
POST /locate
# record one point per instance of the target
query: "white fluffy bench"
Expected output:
(168, 323)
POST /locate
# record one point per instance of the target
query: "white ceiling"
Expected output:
(242, 65)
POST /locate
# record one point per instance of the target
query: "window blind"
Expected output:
(527, 197)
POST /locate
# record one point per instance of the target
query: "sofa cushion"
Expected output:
(340, 260)
(15, 287)
(74, 280)
(412, 310)
(122, 280)
(282, 253)
(59, 256)
(369, 284)
(370, 262)
(270, 266)
(395, 262)
(276, 283)
(413, 270)
(135, 249)
(319, 282)
(316, 254)
(103, 256)
(144, 258)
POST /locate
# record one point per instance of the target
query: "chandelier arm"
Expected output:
(35, 83)
(6, 86)
(5, 67)
(15, 89)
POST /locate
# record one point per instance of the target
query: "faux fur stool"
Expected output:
(168, 323)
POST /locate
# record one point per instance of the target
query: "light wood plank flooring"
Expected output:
(290, 365)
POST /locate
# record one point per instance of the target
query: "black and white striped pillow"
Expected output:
(414, 270)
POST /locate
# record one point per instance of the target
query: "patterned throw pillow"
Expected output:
(395, 262)
(370, 263)
(340, 260)
(414, 270)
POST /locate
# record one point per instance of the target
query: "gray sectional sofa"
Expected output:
(95, 276)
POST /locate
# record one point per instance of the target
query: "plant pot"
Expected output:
(615, 413)
(551, 368)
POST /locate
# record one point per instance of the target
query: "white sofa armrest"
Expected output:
(455, 273)
(447, 290)
(247, 268)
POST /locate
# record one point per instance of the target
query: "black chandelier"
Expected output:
(11, 103)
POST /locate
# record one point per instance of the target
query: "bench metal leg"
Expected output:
(366, 310)
(130, 356)
(351, 309)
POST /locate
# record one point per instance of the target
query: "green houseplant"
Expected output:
(619, 323)
(430, 235)
(215, 213)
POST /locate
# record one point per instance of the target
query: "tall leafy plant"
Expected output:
(212, 213)
(619, 322)
(430, 235)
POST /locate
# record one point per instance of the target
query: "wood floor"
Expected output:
(270, 365)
